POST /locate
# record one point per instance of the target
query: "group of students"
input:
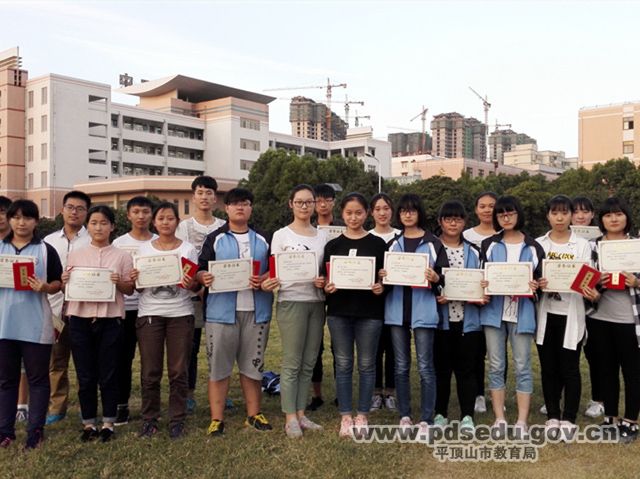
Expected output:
(450, 337)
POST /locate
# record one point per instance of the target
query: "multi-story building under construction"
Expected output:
(309, 119)
(454, 136)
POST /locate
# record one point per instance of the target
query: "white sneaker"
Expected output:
(594, 409)
(552, 429)
(346, 426)
(360, 425)
(520, 429)
(292, 430)
(390, 402)
(543, 409)
(499, 429)
(481, 404)
(307, 424)
(406, 421)
(568, 431)
(376, 402)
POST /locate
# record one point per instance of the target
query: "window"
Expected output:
(186, 207)
(43, 95)
(371, 168)
(30, 181)
(114, 144)
(480, 173)
(30, 99)
(43, 179)
(44, 206)
(30, 126)
(43, 151)
(44, 121)
(469, 170)
(627, 147)
(30, 153)
(251, 124)
(246, 165)
(627, 124)
(249, 144)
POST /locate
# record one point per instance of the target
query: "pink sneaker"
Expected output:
(346, 426)
(361, 425)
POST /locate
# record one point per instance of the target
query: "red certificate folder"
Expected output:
(272, 267)
(616, 281)
(189, 268)
(586, 277)
(327, 267)
(21, 273)
(256, 267)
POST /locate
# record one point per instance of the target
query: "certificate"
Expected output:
(90, 284)
(508, 279)
(586, 232)
(332, 231)
(131, 249)
(352, 272)
(619, 255)
(296, 266)
(406, 269)
(6, 268)
(463, 284)
(230, 275)
(158, 270)
(561, 274)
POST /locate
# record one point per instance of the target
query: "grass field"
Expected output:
(244, 453)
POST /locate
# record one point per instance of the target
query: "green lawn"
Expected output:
(244, 453)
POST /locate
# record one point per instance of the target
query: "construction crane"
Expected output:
(360, 117)
(498, 126)
(423, 116)
(329, 86)
(486, 105)
(348, 102)
(403, 129)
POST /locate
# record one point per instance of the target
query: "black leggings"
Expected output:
(560, 371)
(615, 347)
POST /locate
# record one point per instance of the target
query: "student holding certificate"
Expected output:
(300, 311)
(456, 345)
(355, 316)
(583, 215)
(165, 317)
(484, 204)
(384, 392)
(561, 321)
(613, 324)
(507, 316)
(26, 329)
(237, 327)
(95, 328)
(415, 310)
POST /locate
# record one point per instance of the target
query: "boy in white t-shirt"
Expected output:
(139, 209)
(194, 230)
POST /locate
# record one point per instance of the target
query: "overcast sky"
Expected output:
(538, 62)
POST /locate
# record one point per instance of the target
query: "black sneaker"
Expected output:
(149, 429)
(34, 439)
(122, 415)
(628, 432)
(315, 404)
(258, 422)
(107, 434)
(89, 434)
(216, 428)
(176, 431)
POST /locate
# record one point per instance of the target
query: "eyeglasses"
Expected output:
(304, 204)
(325, 200)
(408, 212)
(507, 216)
(240, 204)
(77, 209)
(452, 220)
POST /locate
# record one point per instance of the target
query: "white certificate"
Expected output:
(352, 272)
(332, 231)
(619, 255)
(508, 279)
(6, 268)
(131, 249)
(463, 284)
(90, 284)
(230, 275)
(561, 274)
(158, 270)
(296, 266)
(406, 269)
(586, 232)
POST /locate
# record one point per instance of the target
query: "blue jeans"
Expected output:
(521, 349)
(365, 333)
(401, 340)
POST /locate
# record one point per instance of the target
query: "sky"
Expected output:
(537, 62)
